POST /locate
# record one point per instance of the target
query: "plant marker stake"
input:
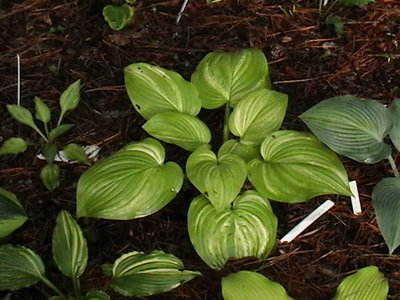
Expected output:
(178, 18)
(311, 218)
(355, 199)
(18, 80)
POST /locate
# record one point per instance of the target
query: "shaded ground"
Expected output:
(307, 61)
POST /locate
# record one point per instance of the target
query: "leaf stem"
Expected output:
(393, 165)
(225, 136)
(60, 119)
(77, 286)
(40, 133)
(52, 286)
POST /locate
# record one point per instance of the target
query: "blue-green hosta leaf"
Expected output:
(386, 201)
(351, 127)
(137, 274)
(12, 214)
(153, 90)
(367, 284)
(258, 115)
(248, 228)
(395, 130)
(297, 167)
(118, 16)
(223, 77)
(247, 152)
(219, 179)
(70, 251)
(178, 128)
(130, 184)
(251, 285)
(20, 267)
(13, 145)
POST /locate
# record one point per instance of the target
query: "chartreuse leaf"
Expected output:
(351, 127)
(23, 116)
(178, 128)
(395, 130)
(20, 267)
(42, 110)
(251, 285)
(386, 201)
(70, 251)
(297, 167)
(248, 228)
(137, 274)
(153, 90)
(132, 183)
(366, 284)
(12, 215)
(119, 16)
(258, 115)
(70, 98)
(13, 145)
(247, 152)
(219, 179)
(223, 77)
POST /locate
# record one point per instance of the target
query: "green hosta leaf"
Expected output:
(50, 176)
(178, 128)
(367, 284)
(154, 90)
(130, 184)
(351, 127)
(96, 295)
(395, 130)
(70, 98)
(13, 145)
(76, 152)
(42, 110)
(355, 2)
(22, 115)
(49, 152)
(337, 22)
(20, 267)
(137, 274)
(258, 115)
(297, 167)
(223, 77)
(70, 251)
(60, 130)
(12, 215)
(386, 201)
(247, 152)
(118, 17)
(251, 285)
(248, 228)
(219, 179)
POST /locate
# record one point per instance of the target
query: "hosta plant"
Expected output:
(357, 129)
(230, 219)
(134, 274)
(48, 131)
(119, 16)
(12, 214)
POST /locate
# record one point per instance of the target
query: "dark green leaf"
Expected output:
(12, 215)
(49, 152)
(355, 2)
(60, 130)
(96, 295)
(337, 22)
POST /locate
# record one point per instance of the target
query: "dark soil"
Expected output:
(307, 61)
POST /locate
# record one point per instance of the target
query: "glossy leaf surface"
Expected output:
(297, 167)
(14, 145)
(12, 214)
(247, 152)
(251, 285)
(118, 16)
(395, 130)
(223, 77)
(219, 179)
(154, 90)
(70, 98)
(351, 127)
(178, 128)
(246, 229)
(132, 183)
(137, 274)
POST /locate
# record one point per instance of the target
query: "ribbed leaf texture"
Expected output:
(395, 130)
(12, 214)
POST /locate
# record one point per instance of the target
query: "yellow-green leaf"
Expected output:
(42, 110)
(13, 145)
(119, 16)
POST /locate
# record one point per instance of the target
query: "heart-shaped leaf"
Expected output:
(297, 167)
(219, 179)
(223, 77)
(178, 128)
(70, 251)
(130, 184)
(395, 130)
(248, 228)
(252, 285)
(247, 152)
(258, 115)
(137, 274)
(386, 201)
(13, 145)
(351, 127)
(12, 214)
(119, 16)
(154, 90)
(367, 284)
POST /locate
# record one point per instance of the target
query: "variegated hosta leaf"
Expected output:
(248, 228)
(12, 214)
(251, 285)
(70, 251)
(351, 127)
(247, 152)
(223, 77)
(386, 201)
(20, 267)
(132, 183)
(219, 179)
(137, 274)
(153, 90)
(395, 130)
(258, 115)
(367, 284)
(297, 167)
(178, 128)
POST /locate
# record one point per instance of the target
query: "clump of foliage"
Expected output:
(119, 16)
